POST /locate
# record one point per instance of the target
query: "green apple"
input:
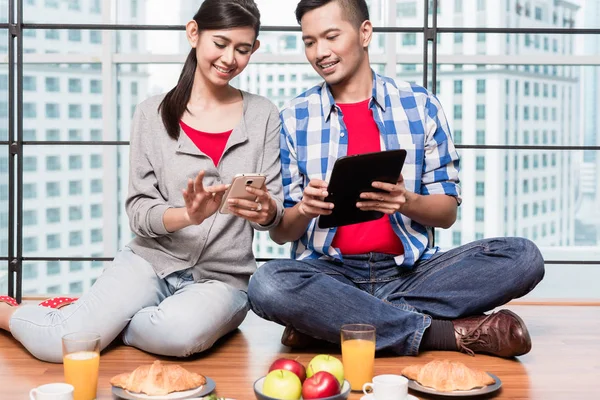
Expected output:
(325, 362)
(282, 384)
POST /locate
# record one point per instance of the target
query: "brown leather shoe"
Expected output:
(297, 340)
(502, 334)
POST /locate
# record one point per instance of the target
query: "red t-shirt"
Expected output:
(373, 236)
(211, 144)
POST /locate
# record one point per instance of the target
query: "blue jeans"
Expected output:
(317, 297)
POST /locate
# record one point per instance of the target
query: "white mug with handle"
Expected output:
(387, 387)
(52, 391)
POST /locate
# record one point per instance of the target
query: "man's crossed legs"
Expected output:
(440, 303)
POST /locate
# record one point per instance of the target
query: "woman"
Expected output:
(180, 284)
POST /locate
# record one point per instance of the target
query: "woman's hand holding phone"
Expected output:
(201, 202)
(262, 210)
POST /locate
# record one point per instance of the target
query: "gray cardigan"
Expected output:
(220, 248)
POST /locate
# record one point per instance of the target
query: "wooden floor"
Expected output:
(564, 363)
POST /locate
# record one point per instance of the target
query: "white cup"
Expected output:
(387, 387)
(52, 391)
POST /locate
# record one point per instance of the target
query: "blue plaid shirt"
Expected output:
(313, 136)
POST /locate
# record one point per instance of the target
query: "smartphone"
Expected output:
(237, 189)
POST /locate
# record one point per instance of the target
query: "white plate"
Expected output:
(414, 385)
(187, 394)
(370, 396)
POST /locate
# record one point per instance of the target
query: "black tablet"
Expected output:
(353, 175)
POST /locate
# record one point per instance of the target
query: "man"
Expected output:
(382, 272)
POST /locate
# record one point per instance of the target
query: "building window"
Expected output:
(75, 111)
(75, 266)
(95, 86)
(30, 217)
(479, 214)
(95, 263)
(480, 85)
(456, 238)
(96, 135)
(52, 84)
(74, 85)
(525, 210)
(75, 134)
(406, 10)
(52, 34)
(75, 287)
(75, 187)
(30, 244)
(29, 83)
(409, 39)
(75, 239)
(29, 135)
(30, 271)
(480, 189)
(29, 110)
(29, 164)
(96, 210)
(95, 37)
(458, 6)
(480, 163)
(96, 161)
(54, 289)
(52, 215)
(480, 139)
(95, 111)
(458, 37)
(53, 189)
(481, 37)
(480, 111)
(96, 235)
(29, 191)
(53, 268)
(458, 111)
(480, 5)
(75, 213)
(96, 186)
(53, 241)
(134, 8)
(290, 42)
(525, 186)
(458, 136)
(53, 163)
(75, 35)
(458, 87)
(52, 111)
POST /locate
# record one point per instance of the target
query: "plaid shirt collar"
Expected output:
(378, 95)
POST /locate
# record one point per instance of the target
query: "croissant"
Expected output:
(158, 379)
(447, 376)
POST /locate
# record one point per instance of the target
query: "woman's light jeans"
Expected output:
(172, 316)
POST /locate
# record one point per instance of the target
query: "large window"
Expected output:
(521, 105)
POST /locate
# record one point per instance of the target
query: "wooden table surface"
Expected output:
(564, 363)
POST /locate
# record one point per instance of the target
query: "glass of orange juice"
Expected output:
(358, 354)
(81, 360)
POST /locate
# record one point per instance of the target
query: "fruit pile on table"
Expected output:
(288, 379)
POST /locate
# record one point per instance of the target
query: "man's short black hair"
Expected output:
(356, 11)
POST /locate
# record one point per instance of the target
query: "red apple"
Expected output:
(290, 365)
(322, 384)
